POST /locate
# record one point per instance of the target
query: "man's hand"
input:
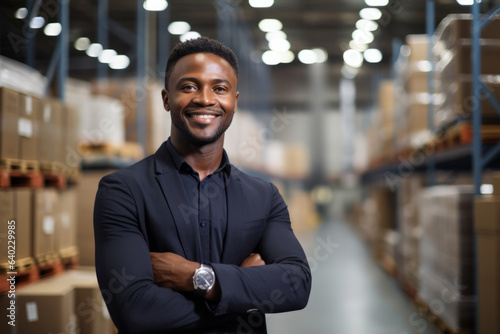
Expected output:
(173, 271)
(253, 260)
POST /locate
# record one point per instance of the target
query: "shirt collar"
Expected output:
(182, 165)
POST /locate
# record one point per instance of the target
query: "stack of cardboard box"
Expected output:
(454, 67)
(487, 225)
(447, 255)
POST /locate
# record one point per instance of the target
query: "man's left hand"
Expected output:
(173, 271)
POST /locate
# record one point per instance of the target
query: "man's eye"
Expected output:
(189, 87)
(220, 89)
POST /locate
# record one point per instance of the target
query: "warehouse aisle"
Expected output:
(350, 294)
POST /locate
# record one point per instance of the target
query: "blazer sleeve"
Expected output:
(124, 270)
(282, 285)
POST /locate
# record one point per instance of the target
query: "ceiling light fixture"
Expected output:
(94, 50)
(190, 35)
(466, 2)
(21, 13)
(178, 27)
(366, 25)
(82, 43)
(271, 58)
(362, 37)
(353, 58)
(275, 35)
(119, 62)
(321, 55)
(279, 45)
(377, 3)
(261, 3)
(52, 29)
(287, 57)
(268, 25)
(37, 22)
(155, 5)
(106, 56)
(373, 56)
(370, 14)
(361, 47)
(307, 56)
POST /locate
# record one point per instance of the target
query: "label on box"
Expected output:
(31, 312)
(25, 127)
(48, 225)
(46, 113)
(65, 220)
(29, 105)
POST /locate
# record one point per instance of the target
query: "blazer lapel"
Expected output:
(183, 211)
(236, 210)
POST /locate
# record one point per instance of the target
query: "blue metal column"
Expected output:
(102, 37)
(32, 6)
(64, 52)
(430, 27)
(476, 86)
(141, 74)
(163, 42)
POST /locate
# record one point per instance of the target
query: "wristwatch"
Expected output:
(203, 280)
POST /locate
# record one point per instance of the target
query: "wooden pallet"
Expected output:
(437, 322)
(18, 178)
(25, 272)
(20, 165)
(50, 268)
(462, 133)
(70, 257)
(56, 180)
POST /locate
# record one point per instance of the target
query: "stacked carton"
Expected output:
(386, 119)
(454, 67)
(487, 225)
(447, 254)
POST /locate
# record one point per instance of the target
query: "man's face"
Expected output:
(202, 97)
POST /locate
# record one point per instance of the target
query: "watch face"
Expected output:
(204, 279)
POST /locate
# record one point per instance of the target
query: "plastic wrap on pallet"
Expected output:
(447, 253)
(20, 77)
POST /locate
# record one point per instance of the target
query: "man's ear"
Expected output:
(164, 95)
(236, 101)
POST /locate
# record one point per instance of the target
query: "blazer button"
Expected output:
(203, 224)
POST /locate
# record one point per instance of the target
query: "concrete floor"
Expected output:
(350, 294)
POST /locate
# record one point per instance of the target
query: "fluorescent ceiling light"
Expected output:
(268, 25)
(37, 22)
(373, 56)
(370, 14)
(487, 189)
(377, 3)
(275, 35)
(155, 5)
(361, 47)
(367, 25)
(94, 50)
(271, 58)
(190, 35)
(362, 37)
(21, 13)
(321, 55)
(119, 62)
(467, 2)
(307, 56)
(178, 27)
(287, 57)
(106, 56)
(279, 45)
(353, 58)
(261, 3)
(53, 29)
(82, 43)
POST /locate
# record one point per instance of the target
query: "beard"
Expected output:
(199, 141)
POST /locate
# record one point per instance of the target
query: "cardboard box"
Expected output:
(27, 129)
(418, 117)
(417, 81)
(71, 158)
(51, 143)
(487, 214)
(45, 219)
(15, 204)
(65, 231)
(489, 283)
(386, 100)
(9, 115)
(419, 46)
(46, 306)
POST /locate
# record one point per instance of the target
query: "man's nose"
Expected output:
(204, 97)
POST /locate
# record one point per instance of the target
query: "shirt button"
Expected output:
(203, 224)
(202, 185)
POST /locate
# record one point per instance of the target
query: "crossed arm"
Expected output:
(174, 272)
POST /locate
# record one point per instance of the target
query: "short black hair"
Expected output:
(199, 45)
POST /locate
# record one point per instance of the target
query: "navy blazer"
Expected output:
(144, 208)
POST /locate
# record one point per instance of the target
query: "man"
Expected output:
(185, 242)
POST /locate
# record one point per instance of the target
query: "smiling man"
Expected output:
(186, 242)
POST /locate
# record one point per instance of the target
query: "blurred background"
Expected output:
(378, 120)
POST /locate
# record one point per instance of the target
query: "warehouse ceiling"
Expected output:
(326, 24)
